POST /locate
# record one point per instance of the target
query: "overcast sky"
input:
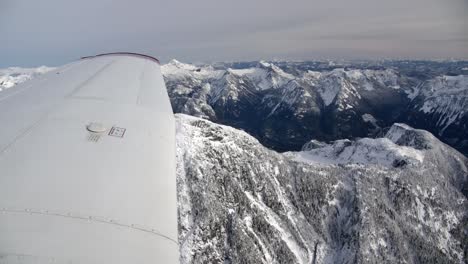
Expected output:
(53, 32)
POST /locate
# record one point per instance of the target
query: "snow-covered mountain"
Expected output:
(397, 199)
(286, 109)
(9, 77)
(441, 105)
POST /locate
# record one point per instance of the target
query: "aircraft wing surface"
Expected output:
(87, 165)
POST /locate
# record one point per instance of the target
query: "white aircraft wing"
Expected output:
(87, 165)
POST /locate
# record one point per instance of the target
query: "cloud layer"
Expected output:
(57, 31)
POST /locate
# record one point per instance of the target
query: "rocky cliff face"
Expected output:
(397, 199)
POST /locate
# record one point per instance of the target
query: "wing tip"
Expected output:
(124, 54)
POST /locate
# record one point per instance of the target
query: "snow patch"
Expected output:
(12, 76)
(365, 151)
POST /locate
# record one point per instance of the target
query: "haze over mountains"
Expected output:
(355, 184)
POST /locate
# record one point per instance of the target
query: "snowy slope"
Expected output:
(366, 151)
(242, 203)
(265, 75)
(444, 96)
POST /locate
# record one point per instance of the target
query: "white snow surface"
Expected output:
(339, 85)
(219, 158)
(445, 96)
(12, 76)
(397, 131)
(176, 70)
(343, 86)
(265, 75)
(365, 151)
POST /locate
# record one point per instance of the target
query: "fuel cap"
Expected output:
(96, 127)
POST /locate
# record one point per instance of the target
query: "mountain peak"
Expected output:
(265, 64)
(404, 135)
(176, 67)
(368, 151)
(181, 65)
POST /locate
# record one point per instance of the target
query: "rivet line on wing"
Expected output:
(95, 219)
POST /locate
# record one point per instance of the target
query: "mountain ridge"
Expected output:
(286, 108)
(243, 203)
